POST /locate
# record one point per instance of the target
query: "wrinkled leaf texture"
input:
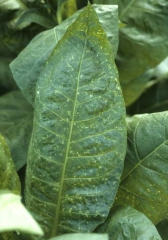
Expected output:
(144, 183)
(28, 65)
(143, 42)
(126, 223)
(79, 135)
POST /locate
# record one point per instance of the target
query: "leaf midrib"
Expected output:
(141, 161)
(57, 212)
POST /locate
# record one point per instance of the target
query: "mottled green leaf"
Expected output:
(16, 120)
(9, 179)
(15, 217)
(143, 43)
(81, 236)
(126, 223)
(79, 135)
(30, 62)
(144, 183)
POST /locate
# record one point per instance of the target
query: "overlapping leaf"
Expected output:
(144, 183)
(28, 65)
(143, 42)
(126, 223)
(79, 136)
(16, 120)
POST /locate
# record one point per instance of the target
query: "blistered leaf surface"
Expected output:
(79, 136)
(126, 223)
(144, 183)
(30, 62)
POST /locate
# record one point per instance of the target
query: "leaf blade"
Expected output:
(67, 137)
(144, 182)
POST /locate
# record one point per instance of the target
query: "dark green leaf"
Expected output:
(79, 135)
(126, 223)
(28, 65)
(143, 43)
(9, 179)
(162, 228)
(154, 99)
(144, 183)
(16, 125)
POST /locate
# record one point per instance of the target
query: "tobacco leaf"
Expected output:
(78, 142)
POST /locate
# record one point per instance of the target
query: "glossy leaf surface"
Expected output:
(9, 179)
(144, 183)
(126, 223)
(30, 62)
(143, 42)
(79, 136)
(16, 120)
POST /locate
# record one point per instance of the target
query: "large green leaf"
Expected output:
(30, 62)
(143, 42)
(16, 120)
(9, 179)
(144, 183)
(126, 223)
(79, 135)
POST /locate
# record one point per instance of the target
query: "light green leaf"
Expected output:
(6, 5)
(30, 62)
(15, 217)
(144, 183)
(79, 136)
(126, 223)
(9, 179)
(16, 120)
(81, 236)
(143, 43)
